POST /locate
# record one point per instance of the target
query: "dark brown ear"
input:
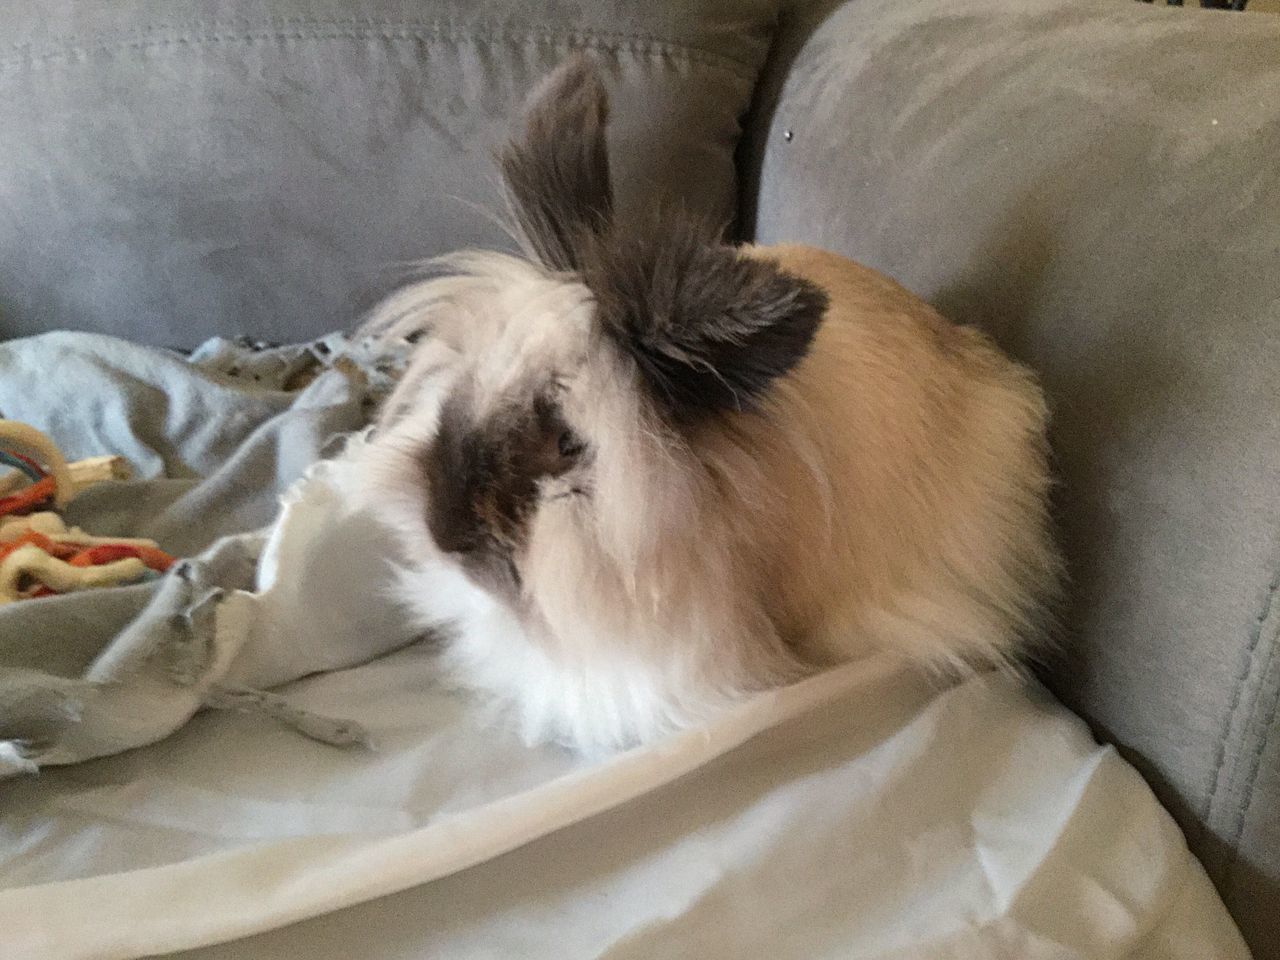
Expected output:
(708, 327)
(556, 169)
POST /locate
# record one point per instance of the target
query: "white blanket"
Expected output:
(864, 813)
(860, 814)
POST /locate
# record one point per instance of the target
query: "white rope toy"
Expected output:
(28, 567)
(34, 444)
(30, 563)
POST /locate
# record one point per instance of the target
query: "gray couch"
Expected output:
(1097, 182)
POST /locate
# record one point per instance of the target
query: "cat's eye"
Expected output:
(569, 446)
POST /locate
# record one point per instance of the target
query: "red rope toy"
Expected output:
(39, 555)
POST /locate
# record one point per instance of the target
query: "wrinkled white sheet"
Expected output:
(863, 813)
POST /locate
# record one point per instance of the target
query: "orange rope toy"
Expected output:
(40, 556)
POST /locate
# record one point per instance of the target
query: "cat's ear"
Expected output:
(708, 326)
(556, 168)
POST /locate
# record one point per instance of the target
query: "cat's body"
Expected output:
(646, 474)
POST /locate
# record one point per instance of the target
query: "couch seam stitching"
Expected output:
(777, 29)
(370, 23)
(1255, 764)
(593, 39)
(1246, 670)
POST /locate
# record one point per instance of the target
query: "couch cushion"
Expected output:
(1098, 183)
(169, 171)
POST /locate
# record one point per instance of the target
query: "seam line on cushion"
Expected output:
(777, 29)
(1255, 760)
(1250, 656)
(391, 31)
(278, 23)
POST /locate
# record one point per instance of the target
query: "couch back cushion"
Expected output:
(169, 171)
(1098, 184)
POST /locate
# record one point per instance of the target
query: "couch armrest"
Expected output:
(1098, 184)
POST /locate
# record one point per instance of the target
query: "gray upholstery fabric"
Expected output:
(1098, 183)
(171, 171)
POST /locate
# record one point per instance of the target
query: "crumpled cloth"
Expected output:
(230, 447)
(865, 812)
